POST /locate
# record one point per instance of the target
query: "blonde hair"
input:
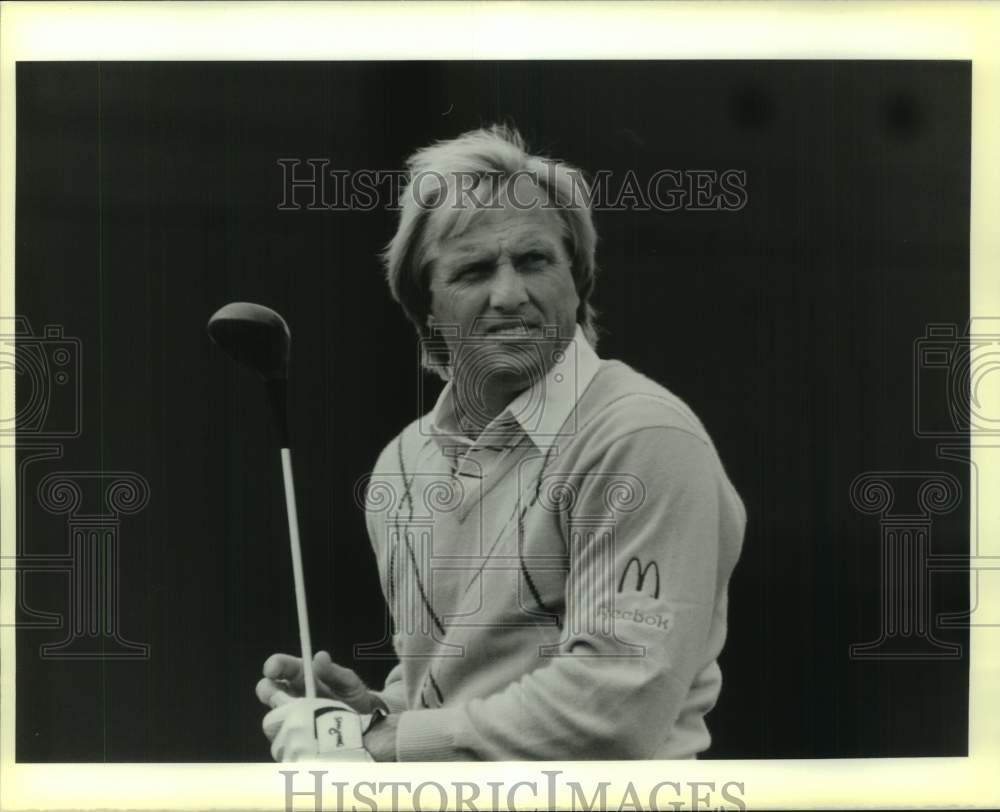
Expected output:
(496, 154)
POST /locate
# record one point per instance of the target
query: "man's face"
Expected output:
(502, 282)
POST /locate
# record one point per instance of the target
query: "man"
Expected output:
(555, 539)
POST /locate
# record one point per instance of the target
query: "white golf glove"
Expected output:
(316, 729)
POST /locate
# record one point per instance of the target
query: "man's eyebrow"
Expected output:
(539, 235)
(532, 243)
(465, 250)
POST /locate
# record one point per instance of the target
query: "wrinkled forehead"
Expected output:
(514, 204)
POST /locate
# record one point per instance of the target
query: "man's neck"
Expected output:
(475, 410)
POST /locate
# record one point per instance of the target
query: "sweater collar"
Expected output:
(540, 411)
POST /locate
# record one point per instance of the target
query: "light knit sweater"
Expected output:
(573, 604)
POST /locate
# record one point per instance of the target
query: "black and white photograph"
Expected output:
(610, 421)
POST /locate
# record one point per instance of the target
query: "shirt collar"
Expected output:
(541, 411)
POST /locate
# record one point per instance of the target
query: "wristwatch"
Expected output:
(369, 720)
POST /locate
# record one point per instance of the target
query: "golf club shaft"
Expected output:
(300, 586)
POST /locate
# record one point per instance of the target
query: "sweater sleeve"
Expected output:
(609, 694)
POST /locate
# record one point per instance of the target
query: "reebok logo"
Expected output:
(660, 620)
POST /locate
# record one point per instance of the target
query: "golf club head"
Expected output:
(258, 337)
(255, 336)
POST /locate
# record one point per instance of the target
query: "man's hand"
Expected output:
(321, 729)
(282, 687)
(283, 672)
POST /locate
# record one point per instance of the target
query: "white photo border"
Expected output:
(597, 30)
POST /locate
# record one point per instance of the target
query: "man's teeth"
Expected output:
(509, 331)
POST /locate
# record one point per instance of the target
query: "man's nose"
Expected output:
(507, 291)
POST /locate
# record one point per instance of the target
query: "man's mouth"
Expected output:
(508, 328)
(513, 331)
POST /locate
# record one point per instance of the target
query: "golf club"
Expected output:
(259, 338)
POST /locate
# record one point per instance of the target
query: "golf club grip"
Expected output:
(297, 574)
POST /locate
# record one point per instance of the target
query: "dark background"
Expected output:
(147, 197)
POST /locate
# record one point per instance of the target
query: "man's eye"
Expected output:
(470, 271)
(535, 257)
